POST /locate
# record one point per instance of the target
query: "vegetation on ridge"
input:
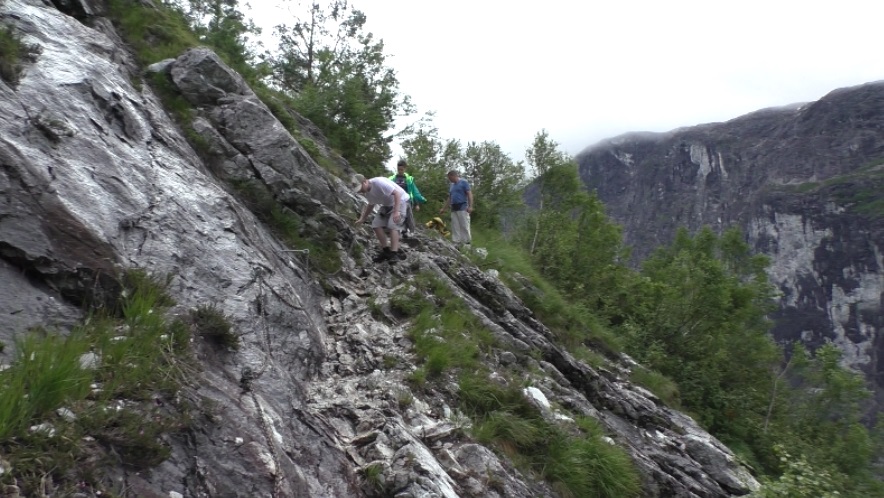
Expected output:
(449, 341)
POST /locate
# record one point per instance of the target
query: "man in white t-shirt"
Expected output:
(391, 216)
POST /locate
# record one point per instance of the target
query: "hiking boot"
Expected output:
(382, 256)
(397, 256)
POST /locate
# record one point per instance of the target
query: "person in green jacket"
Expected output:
(415, 199)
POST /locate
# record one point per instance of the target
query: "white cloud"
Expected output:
(502, 70)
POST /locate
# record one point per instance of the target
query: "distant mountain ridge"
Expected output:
(805, 182)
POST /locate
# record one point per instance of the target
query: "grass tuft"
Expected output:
(214, 326)
(107, 387)
(584, 465)
(13, 53)
(663, 387)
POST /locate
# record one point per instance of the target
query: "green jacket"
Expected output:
(411, 189)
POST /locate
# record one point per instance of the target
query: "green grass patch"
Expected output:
(445, 333)
(663, 387)
(13, 54)
(861, 190)
(45, 375)
(71, 405)
(590, 357)
(807, 187)
(408, 303)
(321, 249)
(446, 339)
(572, 323)
(156, 33)
(574, 465)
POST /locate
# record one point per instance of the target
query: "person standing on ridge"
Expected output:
(415, 199)
(460, 200)
(391, 216)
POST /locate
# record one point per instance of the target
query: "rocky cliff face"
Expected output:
(95, 177)
(804, 182)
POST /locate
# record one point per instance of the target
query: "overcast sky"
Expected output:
(588, 70)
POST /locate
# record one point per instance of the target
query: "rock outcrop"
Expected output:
(96, 177)
(806, 185)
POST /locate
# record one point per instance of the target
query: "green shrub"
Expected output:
(12, 53)
(374, 477)
(800, 480)
(662, 386)
(214, 326)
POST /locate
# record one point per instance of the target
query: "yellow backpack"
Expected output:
(438, 225)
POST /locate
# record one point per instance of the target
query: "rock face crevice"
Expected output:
(311, 399)
(805, 183)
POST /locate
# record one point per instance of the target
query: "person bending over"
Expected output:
(393, 202)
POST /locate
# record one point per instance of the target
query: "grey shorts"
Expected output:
(384, 218)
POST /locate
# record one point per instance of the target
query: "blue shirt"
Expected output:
(458, 191)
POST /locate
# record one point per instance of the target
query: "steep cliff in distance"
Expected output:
(314, 388)
(804, 182)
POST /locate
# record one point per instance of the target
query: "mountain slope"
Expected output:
(804, 182)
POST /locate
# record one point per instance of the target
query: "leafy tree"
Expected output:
(495, 179)
(542, 157)
(221, 25)
(826, 404)
(429, 159)
(700, 320)
(570, 239)
(338, 77)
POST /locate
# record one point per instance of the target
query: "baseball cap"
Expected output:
(357, 183)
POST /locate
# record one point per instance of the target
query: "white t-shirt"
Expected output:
(382, 192)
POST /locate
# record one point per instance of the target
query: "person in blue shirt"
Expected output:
(406, 181)
(460, 200)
